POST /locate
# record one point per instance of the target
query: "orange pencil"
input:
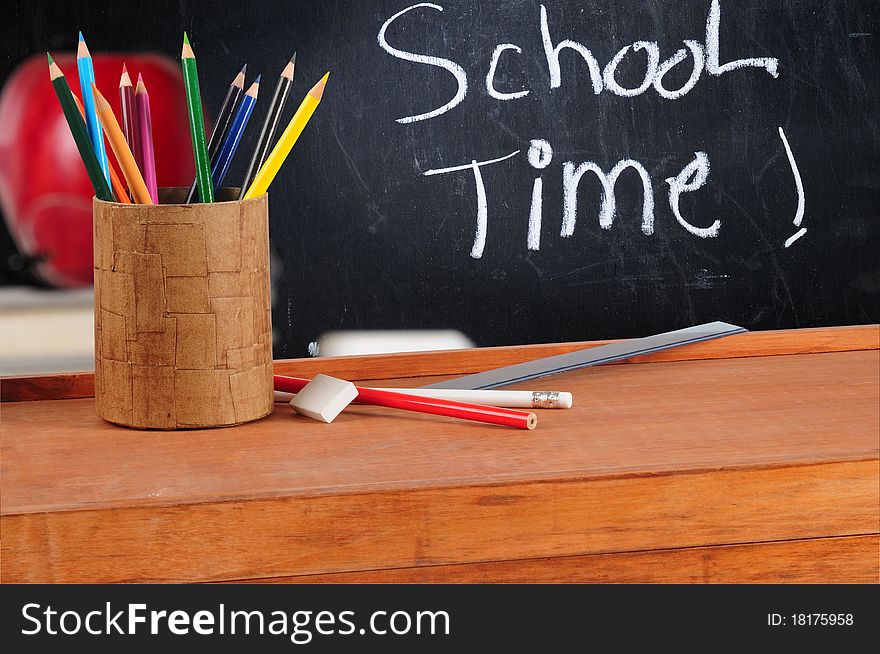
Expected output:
(118, 188)
(120, 148)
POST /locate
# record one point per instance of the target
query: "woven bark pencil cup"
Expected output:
(183, 328)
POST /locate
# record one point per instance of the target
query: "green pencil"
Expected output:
(196, 122)
(79, 131)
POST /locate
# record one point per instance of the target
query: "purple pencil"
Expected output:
(145, 127)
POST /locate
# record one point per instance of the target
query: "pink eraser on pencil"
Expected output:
(324, 398)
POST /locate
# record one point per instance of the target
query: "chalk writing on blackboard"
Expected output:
(799, 185)
(704, 57)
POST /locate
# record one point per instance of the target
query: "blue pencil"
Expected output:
(220, 164)
(86, 79)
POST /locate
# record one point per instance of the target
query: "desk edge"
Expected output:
(816, 340)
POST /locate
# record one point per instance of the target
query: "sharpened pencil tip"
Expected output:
(244, 69)
(288, 69)
(82, 50)
(186, 52)
(101, 103)
(318, 89)
(81, 37)
(257, 81)
(54, 70)
(124, 69)
(238, 80)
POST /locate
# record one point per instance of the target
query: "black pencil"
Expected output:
(270, 125)
(224, 119)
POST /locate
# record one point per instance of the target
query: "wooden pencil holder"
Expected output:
(183, 328)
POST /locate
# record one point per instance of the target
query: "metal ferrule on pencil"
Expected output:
(545, 400)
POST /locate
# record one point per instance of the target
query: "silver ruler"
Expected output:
(593, 356)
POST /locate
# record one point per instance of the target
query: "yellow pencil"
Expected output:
(285, 142)
(124, 157)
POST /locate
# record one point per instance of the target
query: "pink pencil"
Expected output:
(145, 127)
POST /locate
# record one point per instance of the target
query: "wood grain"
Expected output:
(626, 420)
(252, 539)
(844, 560)
(669, 455)
(459, 362)
(47, 387)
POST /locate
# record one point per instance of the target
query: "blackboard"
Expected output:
(752, 153)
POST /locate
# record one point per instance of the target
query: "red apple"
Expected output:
(44, 190)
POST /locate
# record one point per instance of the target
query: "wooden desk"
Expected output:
(749, 459)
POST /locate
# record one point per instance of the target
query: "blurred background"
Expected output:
(46, 301)
(367, 246)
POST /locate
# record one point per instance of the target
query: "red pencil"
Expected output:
(464, 410)
(130, 117)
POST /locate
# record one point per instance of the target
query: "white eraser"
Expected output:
(324, 398)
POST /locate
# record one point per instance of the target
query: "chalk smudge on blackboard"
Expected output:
(703, 279)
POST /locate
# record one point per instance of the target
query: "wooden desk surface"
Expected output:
(751, 458)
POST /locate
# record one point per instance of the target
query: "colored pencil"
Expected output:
(115, 182)
(220, 163)
(80, 132)
(453, 409)
(118, 187)
(129, 116)
(224, 119)
(270, 125)
(291, 133)
(196, 121)
(145, 138)
(86, 79)
(120, 148)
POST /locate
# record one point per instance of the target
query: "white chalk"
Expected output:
(482, 203)
(490, 77)
(324, 398)
(457, 71)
